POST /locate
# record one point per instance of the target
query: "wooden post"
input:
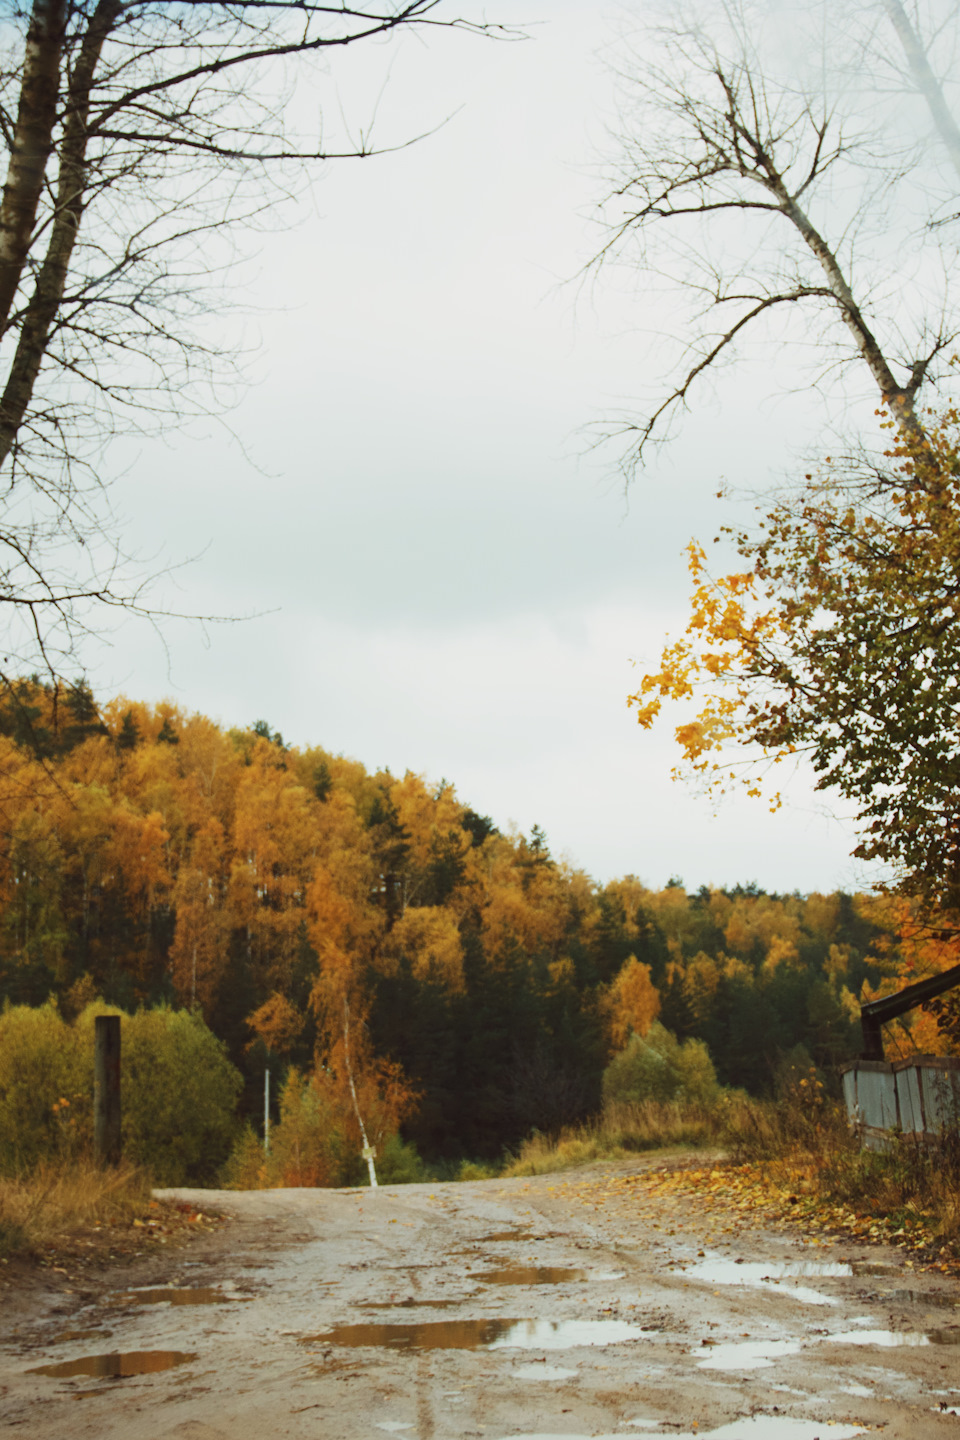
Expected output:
(106, 1089)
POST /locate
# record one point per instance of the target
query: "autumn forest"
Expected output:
(327, 922)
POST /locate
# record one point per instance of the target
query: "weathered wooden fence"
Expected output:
(917, 1098)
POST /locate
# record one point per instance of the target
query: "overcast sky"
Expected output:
(446, 579)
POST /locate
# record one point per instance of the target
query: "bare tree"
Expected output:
(136, 132)
(771, 173)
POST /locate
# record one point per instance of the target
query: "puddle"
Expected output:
(755, 1427)
(503, 1237)
(609, 1275)
(528, 1275)
(888, 1339)
(862, 1391)
(936, 1299)
(392, 1426)
(481, 1334)
(80, 1335)
(112, 1367)
(745, 1354)
(718, 1271)
(543, 1372)
(775, 1427)
(171, 1295)
(874, 1267)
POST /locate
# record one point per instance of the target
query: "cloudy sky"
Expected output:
(445, 577)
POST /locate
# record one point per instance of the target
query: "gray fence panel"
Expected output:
(850, 1094)
(941, 1097)
(877, 1096)
(910, 1100)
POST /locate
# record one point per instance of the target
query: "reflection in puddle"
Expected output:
(746, 1354)
(170, 1295)
(543, 1372)
(110, 1367)
(719, 1271)
(754, 1427)
(888, 1338)
(935, 1298)
(527, 1275)
(392, 1426)
(481, 1334)
(775, 1427)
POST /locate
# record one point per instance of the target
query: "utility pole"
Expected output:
(266, 1110)
(106, 1089)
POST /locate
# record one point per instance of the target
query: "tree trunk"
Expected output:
(31, 145)
(52, 278)
(926, 82)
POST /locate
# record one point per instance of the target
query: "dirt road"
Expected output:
(571, 1305)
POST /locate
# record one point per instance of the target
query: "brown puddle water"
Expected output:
(528, 1275)
(480, 1334)
(170, 1295)
(935, 1298)
(116, 1365)
(80, 1335)
(501, 1237)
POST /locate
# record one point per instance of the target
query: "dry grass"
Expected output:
(41, 1209)
(907, 1184)
(620, 1131)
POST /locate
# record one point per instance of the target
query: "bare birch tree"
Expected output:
(793, 179)
(136, 131)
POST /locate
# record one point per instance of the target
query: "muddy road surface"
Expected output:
(569, 1305)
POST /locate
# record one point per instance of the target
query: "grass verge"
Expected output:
(621, 1130)
(793, 1159)
(39, 1210)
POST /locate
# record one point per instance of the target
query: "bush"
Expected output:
(247, 1166)
(178, 1091)
(45, 1088)
(657, 1067)
(309, 1146)
(398, 1162)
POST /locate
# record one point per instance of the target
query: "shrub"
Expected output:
(179, 1094)
(45, 1089)
(399, 1163)
(247, 1165)
(309, 1145)
(178, 1091)
(657, 1067)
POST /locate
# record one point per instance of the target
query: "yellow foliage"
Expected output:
(429, 937)
(277, 1023)
(632, 1002)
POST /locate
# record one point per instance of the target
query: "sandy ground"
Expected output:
(569, 1305)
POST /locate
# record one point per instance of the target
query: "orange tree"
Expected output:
(839, 639)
